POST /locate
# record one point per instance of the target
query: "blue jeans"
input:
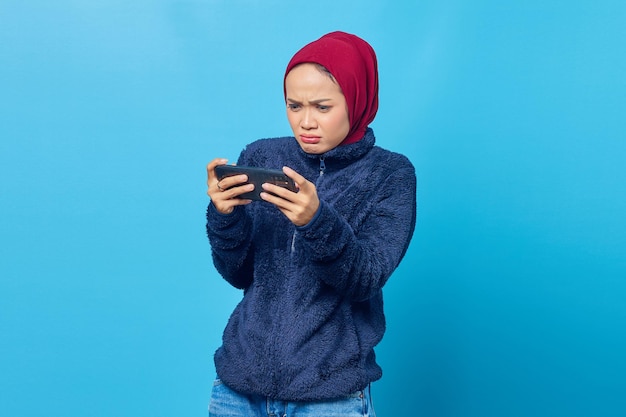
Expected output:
(226, 402)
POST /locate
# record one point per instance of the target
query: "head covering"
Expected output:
(352, 62)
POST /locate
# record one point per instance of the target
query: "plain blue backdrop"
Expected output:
(512, 298)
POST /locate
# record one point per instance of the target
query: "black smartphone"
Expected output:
(256, 176)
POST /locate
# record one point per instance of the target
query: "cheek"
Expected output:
(342, 125)
(291, 118)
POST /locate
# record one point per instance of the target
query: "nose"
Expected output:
(308, 120)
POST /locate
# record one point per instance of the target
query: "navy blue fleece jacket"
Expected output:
(312, 307)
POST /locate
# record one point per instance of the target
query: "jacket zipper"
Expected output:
(293, 242)
(322, 166)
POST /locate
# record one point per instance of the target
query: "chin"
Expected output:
(314, 149)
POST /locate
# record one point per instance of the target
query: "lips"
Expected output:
(309, 139)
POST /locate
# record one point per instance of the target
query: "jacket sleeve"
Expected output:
(359, 262)
(229, 235)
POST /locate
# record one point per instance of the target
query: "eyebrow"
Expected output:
(318, 101)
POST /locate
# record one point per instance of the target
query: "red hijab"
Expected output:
(352, 62)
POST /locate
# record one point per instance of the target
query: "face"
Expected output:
(316, 109)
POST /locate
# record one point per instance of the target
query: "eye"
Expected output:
(323, 108)
(293, 106)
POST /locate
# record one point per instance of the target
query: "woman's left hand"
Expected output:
(300, 207)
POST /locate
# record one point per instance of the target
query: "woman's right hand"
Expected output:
(224, 194)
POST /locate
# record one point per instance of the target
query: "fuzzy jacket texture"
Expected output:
(312, 306)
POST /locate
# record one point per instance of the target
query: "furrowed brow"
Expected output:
(318, 101)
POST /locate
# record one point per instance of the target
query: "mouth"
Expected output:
(310, 139)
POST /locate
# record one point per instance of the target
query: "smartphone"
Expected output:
(256, 176)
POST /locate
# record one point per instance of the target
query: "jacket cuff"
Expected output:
(221, 221)
(326, 233)
(313, 220)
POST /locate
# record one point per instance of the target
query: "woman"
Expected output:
(311, 263)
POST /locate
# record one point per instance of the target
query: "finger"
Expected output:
(223, 192)
(235, 192)
(297, 178)
(210, 168)
(232, 181)
(272, 194)
(227, 206)
(226, 200)
(279, 192)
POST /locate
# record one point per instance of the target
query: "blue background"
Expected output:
(511, 299)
